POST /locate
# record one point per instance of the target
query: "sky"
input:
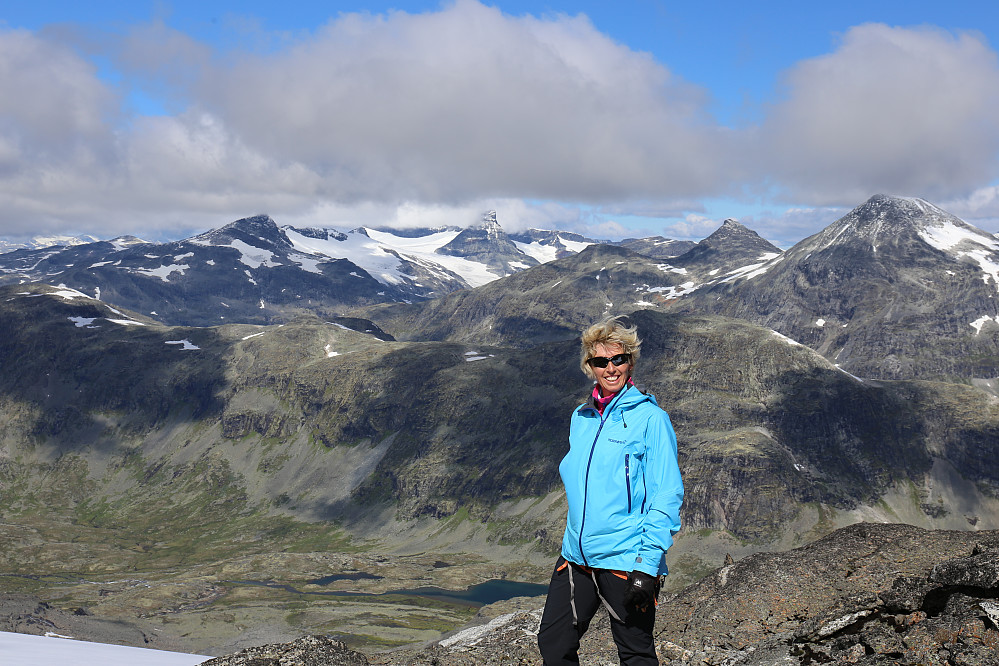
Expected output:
(636, 118)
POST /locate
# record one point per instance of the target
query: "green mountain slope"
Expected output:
(225, 450)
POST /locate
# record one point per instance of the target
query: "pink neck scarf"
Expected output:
(602, 401)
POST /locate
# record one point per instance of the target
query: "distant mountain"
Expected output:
(254, 271)
(657, 247)
(551, 301)
(251, 453)
(728, 250)
(547, 246)
(897, 288)
(488, 244)
(40, 242)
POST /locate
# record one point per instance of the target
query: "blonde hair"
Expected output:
(610, 331)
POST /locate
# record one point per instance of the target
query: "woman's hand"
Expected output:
(641, 592)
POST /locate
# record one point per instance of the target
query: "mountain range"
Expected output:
(896, 289)
(361, 423)
(253, 271)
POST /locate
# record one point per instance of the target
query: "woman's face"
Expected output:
(611, 378)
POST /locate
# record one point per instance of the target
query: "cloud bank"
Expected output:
(425, 118)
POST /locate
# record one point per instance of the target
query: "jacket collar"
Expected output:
(626, 397)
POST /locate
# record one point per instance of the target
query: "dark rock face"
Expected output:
(306, 651)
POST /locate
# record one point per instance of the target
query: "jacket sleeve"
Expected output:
(665, 492)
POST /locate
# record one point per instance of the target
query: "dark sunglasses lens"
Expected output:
(602, 361)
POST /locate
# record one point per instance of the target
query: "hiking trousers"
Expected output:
(574, 596)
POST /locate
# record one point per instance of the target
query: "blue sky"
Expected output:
(632, 118)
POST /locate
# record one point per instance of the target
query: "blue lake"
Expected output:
(488, 592)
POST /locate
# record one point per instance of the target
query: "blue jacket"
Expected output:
(622, 483)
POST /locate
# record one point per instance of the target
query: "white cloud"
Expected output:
(692, 226)
(430, 119)
(895, 110)
(980, 208)
(469, 102)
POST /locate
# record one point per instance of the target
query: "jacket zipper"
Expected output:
(586, 479)
(627, 478)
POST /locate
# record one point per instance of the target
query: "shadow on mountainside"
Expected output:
(73, 368)
(765, 425)
(466, 427)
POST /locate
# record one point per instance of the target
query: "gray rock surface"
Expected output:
(306, 651)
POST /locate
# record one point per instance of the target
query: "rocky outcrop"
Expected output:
(306, 651)
(865, 594)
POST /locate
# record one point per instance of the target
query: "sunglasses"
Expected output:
(602, 361)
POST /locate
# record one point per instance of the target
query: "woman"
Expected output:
(622, 483)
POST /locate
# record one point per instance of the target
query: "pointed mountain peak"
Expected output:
(492, 228)
(732, 234)
(487, 243)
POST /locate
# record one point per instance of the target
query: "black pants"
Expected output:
(558, 639)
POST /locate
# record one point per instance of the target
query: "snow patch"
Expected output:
(126, 322)
(55, 649)
(753, 270)
(253, 256)
(68, 294)
(186, 344)
(786, 339)
(163, 272)
(981, 321)
(956, 241)
(253, 335)
(820, 322)
(669, 293)
(472, 635)
(307, 263)
(543, 253)
(83, 321)
(329, 351)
